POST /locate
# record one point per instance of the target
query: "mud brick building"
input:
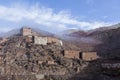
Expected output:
(37, 39)
(54, 40)
(51, 40)
(49, 62)
(26, 31)
(46, 40)
(88, 56)
(71, 54)
(29, 39)
(40, 40)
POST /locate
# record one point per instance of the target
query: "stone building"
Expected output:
(49, 62)
(29, 39)
(26, 31)
(46, 40)
(40, 40)
(37, 39)
(88, 56)
(71, 54)
(54, 40)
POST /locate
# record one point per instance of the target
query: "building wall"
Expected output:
(40, 40)
(88, 56)
(54, 40)
(35, 33)
(50, 40)
(71, 54)
(51, 62)
(26, 32)
(29, 39)
(46, 61)
(61, 43)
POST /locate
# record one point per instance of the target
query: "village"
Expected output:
(32, 54)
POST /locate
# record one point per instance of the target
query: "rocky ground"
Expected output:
(22, 61)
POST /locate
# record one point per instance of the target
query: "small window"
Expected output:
(80, 55)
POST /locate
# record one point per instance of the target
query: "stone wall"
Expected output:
(26, 32)
(51, 62)
(71, 54)
(88, 56)
(54, 40)
(29, 39)
(40, 40)
(47, 40)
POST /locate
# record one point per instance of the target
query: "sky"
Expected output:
(58, 15)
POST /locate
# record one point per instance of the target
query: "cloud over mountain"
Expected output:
(47, 17)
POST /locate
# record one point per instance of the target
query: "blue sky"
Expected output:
(58, 15)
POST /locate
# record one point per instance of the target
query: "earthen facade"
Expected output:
(71, 54)
(88, 56)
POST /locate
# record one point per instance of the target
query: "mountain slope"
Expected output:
(106, 41)
(110, 42)
(17, 32)
(10, 33)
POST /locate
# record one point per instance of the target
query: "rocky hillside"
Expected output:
(105, 41)
(24, 57)
(110, 42)
(37, 59)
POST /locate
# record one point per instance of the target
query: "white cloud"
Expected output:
(45, 17)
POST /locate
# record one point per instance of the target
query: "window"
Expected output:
(80, 55)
